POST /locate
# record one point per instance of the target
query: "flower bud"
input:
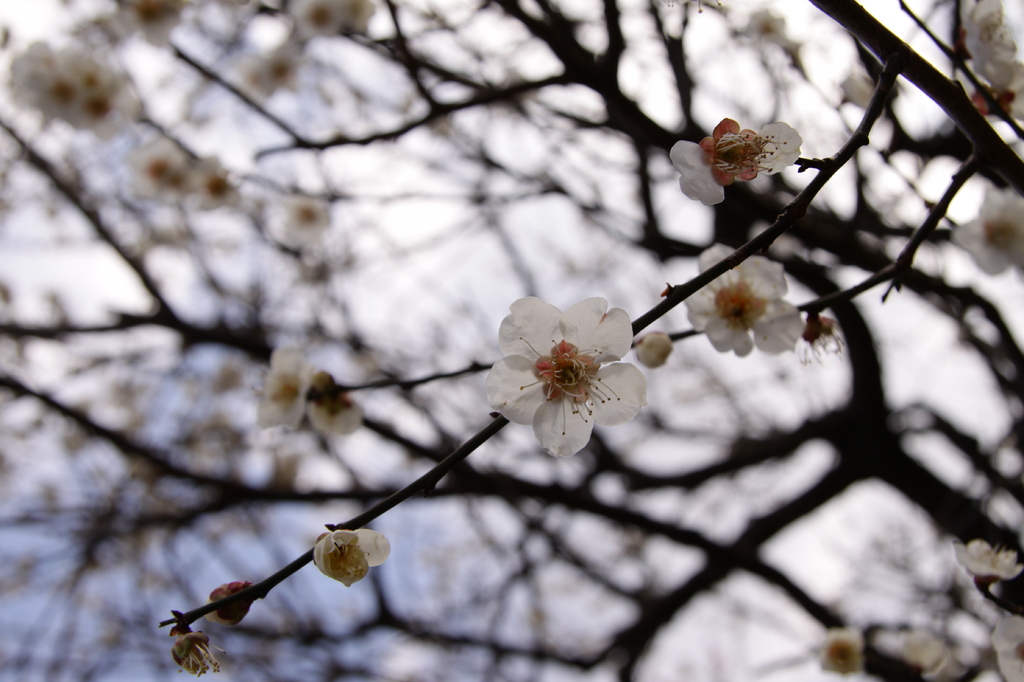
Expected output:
(346, 555)
(233, 613)
(653, 350)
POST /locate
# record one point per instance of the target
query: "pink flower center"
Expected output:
(739, 154)
(738, 306)
(567, 373)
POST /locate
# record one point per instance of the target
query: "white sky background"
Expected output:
(817, 552)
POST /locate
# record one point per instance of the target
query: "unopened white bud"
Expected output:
(653, 350)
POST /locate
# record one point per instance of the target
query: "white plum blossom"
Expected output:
(996, 239)
(843, 651)
(924, 651)
(745, 301)
(155, 19)
(331, 410)
(191, 650)
(284, 392)
(279, 69)
(653, 349)
(331, 17)
(554, 375)
(988, 39)
(769, 27)
(992, 49)
(732, 154)
(986, 563)
(210, 181)
(74, 86)
(160, 170)
(347, 555)
(305, 219)
(1008, 641)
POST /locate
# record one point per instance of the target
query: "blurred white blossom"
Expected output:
(843, 651)
(858, 88)
(277, 70)
(305, 219)
(331, 410)
(1008, 641)
(160, 170)
(213, 186)
(284, 393)
(155, 19)
(331, 17)
(924, 651)
(988, 40)
(996, 238)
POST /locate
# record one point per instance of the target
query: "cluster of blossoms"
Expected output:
(555, 375)
(743, 303)
(162, 171)
(73, 85)
(990, 565)
(346, 555)
(990, 45)
(265, 74)
(996, 238)
(294, 388)
(732, 154)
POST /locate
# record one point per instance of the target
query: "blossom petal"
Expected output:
(514, 390)
(700, 308)
(767, 278)
(530, 330)
(559, 430)
(713, 255)
(726, 338)
(784, 146)
(779, 329)
(587, 326)
(375, 546)
(343, 421)
(625, 392)
(696, 179)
